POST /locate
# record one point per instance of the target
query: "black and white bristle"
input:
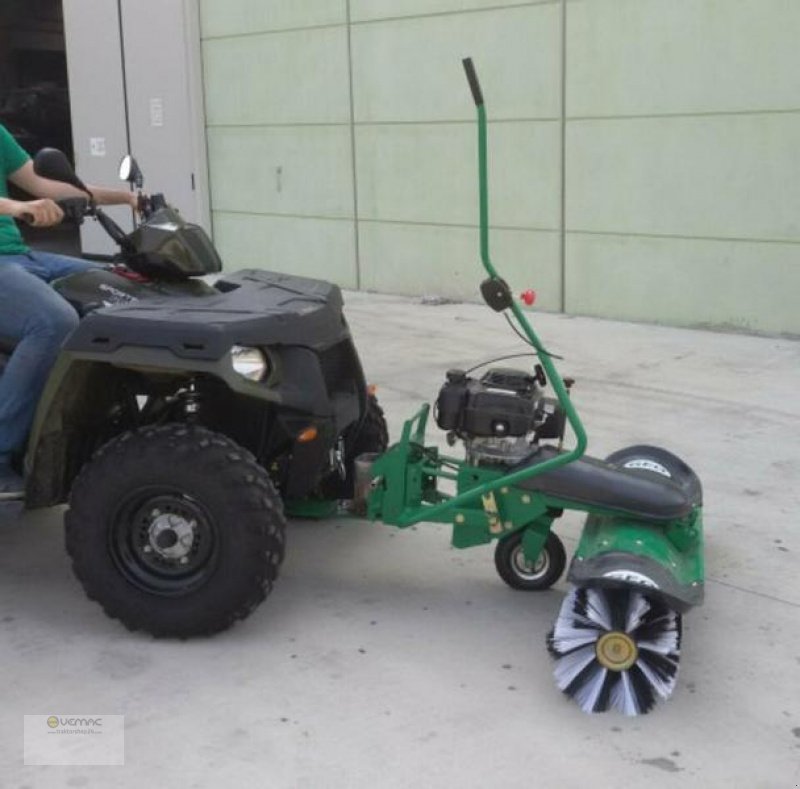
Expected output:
(587, 614)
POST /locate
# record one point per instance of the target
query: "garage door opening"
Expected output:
(34, 96)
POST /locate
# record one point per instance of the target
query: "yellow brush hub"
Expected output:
(616, 651)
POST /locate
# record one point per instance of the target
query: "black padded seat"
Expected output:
(594, 482)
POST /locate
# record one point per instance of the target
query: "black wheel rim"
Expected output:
(163, 541)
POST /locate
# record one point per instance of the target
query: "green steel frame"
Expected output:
(489, 504)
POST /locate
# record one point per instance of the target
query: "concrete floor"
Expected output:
(388, 659)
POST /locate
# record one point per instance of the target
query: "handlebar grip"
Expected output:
(74, 208)
(74, 203)
(472, 78)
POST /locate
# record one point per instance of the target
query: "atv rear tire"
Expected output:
(175, 530)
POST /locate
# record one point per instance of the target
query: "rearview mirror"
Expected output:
(52, 164)
(129, 171)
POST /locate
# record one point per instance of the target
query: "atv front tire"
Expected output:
(374, 433)
(175, 530)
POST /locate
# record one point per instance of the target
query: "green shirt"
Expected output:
(12, 157)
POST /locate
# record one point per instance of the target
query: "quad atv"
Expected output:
(182, 420)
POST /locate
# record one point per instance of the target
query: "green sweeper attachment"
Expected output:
(639, 563)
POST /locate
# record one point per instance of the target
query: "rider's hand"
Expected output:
(138, 202)
(39, 213)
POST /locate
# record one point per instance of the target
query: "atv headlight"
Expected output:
(250, 363)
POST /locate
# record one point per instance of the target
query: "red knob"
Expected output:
(528, 296)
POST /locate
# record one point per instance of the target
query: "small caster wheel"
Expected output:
(519, 573)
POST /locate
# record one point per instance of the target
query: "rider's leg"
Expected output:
(35, 316)
(49, 266)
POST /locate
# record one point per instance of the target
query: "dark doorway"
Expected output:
(34, 94)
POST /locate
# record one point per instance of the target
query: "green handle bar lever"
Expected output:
(547, 363)
(555, 378)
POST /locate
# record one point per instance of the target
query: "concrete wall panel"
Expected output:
(302, 170)
(278, 78)
(708, 176)
(306, 247)
(634, 57)
(428, 173)
(361, 10)
(731, 285)
(413, 259)
(243, 17)
(410, 70)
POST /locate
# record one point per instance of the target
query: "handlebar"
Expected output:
(474, 85)
(73, 208)
(149, 204)
(76, 209)
(545, 358)
(118, 235)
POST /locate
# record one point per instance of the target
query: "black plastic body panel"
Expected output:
(167, 246)
(98, 288)
(171, 334)
(258, 308)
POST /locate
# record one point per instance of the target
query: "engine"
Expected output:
(500, 416)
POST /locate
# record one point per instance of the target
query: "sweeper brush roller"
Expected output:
(615, 648)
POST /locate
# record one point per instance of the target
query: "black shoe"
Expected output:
(12, 485)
